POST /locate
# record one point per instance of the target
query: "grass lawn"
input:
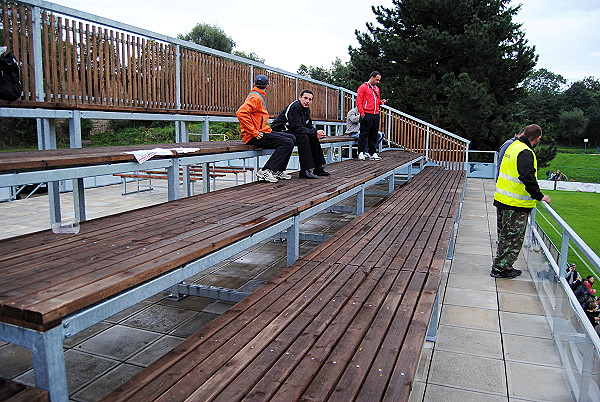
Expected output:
(577, 167)
(581, 211)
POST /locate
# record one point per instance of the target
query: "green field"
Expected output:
(578, 167)
(581, 211)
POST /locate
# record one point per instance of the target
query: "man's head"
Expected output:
(374, 78)
(306, 97)
(261, 81)
(533, 133)
(590, 279)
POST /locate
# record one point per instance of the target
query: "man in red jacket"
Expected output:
(368, 101)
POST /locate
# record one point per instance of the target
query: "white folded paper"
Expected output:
(143, 155)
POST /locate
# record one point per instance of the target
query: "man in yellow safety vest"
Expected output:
(517, 192)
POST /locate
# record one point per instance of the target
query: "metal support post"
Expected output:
(75, 130)
(79, 200)
(186, 181)
(49, 364)
(173, 180)
(435, 319)
(293, 241)
(205, 129)
(391, 179)
(564, 254)
(205, 178)
(178, 77)
(360, 201)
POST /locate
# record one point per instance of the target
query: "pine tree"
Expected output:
(455, 63)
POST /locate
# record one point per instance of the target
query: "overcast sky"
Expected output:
(566, 33)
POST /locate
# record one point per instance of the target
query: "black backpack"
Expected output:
(10, 86)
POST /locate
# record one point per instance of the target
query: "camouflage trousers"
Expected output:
(511, 233)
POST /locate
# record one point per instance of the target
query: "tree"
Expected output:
(455, 63)
(210, 36)
(251, 56)
(572, 124)
(337, 74)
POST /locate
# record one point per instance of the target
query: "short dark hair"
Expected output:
(532, 132)
(589, 277)
(374, 74)
(306, 91)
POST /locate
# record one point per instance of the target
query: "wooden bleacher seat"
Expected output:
(11, 391)
(345, 322)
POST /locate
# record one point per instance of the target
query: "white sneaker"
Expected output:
(367, 155)
(267, 175)
(375, 157)
(361, 156)
(282, 175)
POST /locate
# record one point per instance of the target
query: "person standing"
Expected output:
(517, 191)
(295, 119)
(253, 117)
(353, 129)
(368, 102)
(503, 148)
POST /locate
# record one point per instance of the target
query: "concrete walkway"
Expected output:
(493, 342)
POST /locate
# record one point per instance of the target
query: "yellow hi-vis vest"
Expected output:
(509, 189)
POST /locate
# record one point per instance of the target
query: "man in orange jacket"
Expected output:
(253, 117)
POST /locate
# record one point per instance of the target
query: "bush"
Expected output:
(132, 136)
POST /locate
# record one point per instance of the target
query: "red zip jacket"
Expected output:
(368, 99)
(253, 115)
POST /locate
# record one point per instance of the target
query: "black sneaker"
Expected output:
(307, 174)
(506, 274)
(516, 272)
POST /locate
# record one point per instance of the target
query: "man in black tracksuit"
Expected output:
(295, 119)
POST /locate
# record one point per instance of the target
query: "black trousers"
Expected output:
(282, 143)
(309, 151)
(369, 126)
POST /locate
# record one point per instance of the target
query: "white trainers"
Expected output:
(361, 156)
(375, 157)
(267, 175)
(367, 155)
(282, 175)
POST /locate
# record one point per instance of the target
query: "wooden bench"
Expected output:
(11, 391)
(345, 322)
(52, 166)
(53, 286)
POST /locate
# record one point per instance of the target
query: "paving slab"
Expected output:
(470, 281)
(437, 393)
(469, 341)
(537, 383)
(470, 317)
(525, 324)
(517, 303)
(473, 373)
(472, 298)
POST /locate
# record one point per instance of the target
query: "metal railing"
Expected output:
(574, 336)
(86, 64)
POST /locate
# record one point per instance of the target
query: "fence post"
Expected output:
(427, 144)
(564, 254)
(326, 103)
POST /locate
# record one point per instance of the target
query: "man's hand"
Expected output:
(547, 199)
(383, 101)
(259, 136)
(321, 134)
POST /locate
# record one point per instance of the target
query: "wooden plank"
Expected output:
(293, 282)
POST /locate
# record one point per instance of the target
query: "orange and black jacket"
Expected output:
(253, 115)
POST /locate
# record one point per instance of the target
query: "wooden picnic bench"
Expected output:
(345, 322)
(11, 391)
(53, 286)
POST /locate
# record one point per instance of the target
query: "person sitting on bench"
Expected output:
(295, 119)
(253, 117)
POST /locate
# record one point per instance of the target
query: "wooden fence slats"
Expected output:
(87, 64)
